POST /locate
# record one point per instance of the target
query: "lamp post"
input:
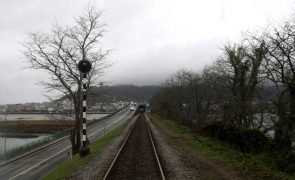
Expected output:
(84, 67)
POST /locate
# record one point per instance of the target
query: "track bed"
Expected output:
(137, 158)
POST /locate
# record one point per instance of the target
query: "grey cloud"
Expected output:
(149, 40)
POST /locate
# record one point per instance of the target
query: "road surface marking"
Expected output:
(39, 163)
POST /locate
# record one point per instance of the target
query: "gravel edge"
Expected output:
(179, 162)
(170, 157)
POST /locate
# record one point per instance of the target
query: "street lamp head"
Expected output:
(84, 66)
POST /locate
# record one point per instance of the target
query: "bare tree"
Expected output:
(241, 66)
(280, 66)
(58, 54)
(188, 97)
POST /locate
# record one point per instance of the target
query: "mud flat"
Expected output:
(34, 126)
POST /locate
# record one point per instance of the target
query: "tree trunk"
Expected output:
(286, 123)
(76, 132)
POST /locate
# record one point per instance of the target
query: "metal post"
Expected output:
(84, 149)
(5, 134)
(104, 129)
(70, 155)
(84, 67)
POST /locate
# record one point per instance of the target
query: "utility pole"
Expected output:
(84, 67)
(5, 117)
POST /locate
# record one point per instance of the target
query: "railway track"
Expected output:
(137, 158)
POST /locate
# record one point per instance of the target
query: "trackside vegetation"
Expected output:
(245, 97)
(77, 162)
(250, 165)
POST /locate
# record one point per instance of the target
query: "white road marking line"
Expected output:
(59, 152)
(39, 163)
(104, 127)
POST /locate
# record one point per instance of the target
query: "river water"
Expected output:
(19, 141)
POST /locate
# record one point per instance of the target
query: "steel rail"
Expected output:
(119, 152)
(154, 148)
(123, 146)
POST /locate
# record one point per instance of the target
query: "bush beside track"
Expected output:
(248, 165)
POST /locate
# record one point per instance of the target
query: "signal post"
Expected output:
(84, 67)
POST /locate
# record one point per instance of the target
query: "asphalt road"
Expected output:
(39, 164)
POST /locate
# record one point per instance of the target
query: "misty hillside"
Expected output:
(143, 93)
(121, 93)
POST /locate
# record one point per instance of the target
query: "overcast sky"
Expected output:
(150, 39)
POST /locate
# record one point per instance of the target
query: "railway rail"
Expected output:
(137, 157)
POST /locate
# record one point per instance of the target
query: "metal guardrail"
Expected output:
(16, 151)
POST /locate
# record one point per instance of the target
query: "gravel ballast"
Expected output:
(98, 166)
(136, 160)
(179, 162)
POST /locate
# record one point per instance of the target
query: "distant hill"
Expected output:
(121, 93)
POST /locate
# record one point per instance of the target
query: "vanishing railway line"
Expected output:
(137, 157)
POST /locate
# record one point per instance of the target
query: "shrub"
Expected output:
(213, 129)
(232, 135)
(253, 141)
(286, 162)
(250, 140)
(223, 133)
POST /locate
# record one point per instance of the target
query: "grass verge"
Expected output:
(249, 166)
(69, 166)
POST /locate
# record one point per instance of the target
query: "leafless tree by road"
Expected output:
(58, 54)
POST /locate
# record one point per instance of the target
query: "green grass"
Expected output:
(70, 166)
(246, 165)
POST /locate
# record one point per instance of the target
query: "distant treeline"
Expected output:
(248, 92)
